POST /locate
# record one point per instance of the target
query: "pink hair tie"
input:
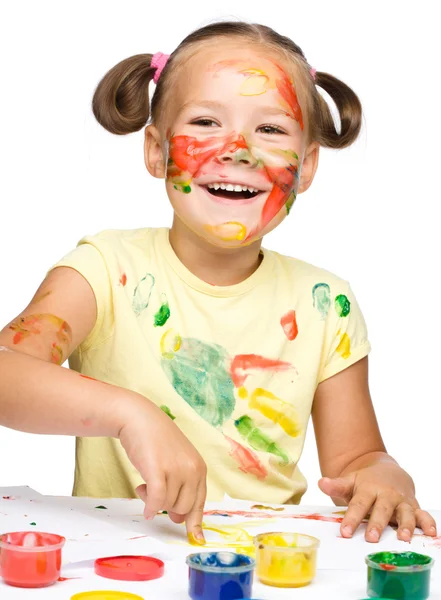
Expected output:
(313, 72)
(159, 61)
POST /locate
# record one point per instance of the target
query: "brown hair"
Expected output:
(121, 99)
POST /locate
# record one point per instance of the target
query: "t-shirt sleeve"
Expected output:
(346, 338)
(89, 262)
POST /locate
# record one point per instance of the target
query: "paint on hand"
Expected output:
(276, 410)
(243, 365)
(229, 231)
(344, 346)
(257, 439)
(142, 293)
(168, 412)
(249, 461)
(47, 327)
(289, 325)
(198, 373)
(163, 314)
(342, 305)
(321, 298)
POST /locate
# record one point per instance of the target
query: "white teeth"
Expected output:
(237, 188)
(230, 187)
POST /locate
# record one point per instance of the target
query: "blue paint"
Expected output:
(220, 576)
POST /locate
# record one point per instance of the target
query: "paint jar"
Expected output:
(403, 575)
(220, 575)
(286, 559)
(30, 559)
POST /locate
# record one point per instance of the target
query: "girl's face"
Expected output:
(235, 145)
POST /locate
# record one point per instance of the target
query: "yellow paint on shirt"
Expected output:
(344, 347)
(170, 343)
(276, 410)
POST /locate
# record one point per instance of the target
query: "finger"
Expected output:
(174, 487)
(426, 522)
(358, 508)
(194, 518)
(141, 490)
(381, 514)
(156, 495)
(406, 520)
(340, 487)
(176, 518)
(186, 498)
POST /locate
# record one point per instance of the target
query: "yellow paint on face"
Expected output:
(282, 562)
(255, 83)
(170, 343)
(276, 410)
(344, 347)
(229, 231)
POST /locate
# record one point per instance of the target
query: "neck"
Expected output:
(217, 266)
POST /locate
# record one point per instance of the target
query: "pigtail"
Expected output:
(348, 106)
(121, 100)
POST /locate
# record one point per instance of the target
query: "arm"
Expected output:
(354, 463)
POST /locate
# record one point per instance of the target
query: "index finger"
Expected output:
(193, 521)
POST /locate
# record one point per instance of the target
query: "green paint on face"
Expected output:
(142, 293)
(321, 298)
(168, 412)
(162, 315)
(342, 305)
(199, 374)
(290, 202)
(257, 439)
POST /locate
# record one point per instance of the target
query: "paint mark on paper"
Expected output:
(101, 507)
(262, 507)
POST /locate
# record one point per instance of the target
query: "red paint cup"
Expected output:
(30, 559)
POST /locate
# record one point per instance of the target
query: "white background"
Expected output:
(371, 215)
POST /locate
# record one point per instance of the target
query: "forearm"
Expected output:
(39, 397)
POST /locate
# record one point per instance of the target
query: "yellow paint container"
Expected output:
(286, 559)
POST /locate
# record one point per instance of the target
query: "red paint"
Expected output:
(67, 578)
(92, 379)
(30, 559)
(249, 461)
(243, 364)
(123, 279)
(189, 154)
(286, 90)
(283, 184)
(268, 515)
(387, 567)
(130, 568)
(289, 325)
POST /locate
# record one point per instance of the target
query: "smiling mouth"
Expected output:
(232, 191)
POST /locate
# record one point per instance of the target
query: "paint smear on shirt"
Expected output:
(289, 325)
(249, 461)
(142, 293)
(344, 347)
(243, 365)
(276, 410)
(321, 298)
(257, 439)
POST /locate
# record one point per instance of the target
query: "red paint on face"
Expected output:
(243, 364)
(286, 90)
(289, 325)
(189, 154)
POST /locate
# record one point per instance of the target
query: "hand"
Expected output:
(173, 470)
(386, 492)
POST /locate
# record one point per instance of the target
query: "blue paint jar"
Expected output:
(220, 576)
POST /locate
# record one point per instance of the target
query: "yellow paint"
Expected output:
(229, 231)
(193, 541)
(344, 347)
(263, 507)
(255, 84)
(170, 343)
(276, 410)
(281, 562)
(106, 595)
(242, 393)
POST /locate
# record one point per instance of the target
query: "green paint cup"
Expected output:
(398, 575)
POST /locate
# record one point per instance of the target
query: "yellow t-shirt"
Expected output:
(236, 367)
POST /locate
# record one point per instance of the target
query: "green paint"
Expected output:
(290, 202)
(162, 315)
(33, 523)
(257, 439)
(168, 412)
(199, 373)
(186, 189)
(321, 298)
(102, 507)
(142, 293)
(404, 575)
(342, 305)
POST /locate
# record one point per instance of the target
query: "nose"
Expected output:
(237, 152)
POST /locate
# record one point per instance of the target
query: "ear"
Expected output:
(153, 154)
(309, 166)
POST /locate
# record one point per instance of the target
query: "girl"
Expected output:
(196, 355)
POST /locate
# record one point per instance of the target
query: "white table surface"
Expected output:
(120, 529)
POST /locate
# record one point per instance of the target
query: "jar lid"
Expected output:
(129, 568)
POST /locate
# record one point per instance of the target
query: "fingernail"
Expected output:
(406, 533)
(196, 539)
(347, 531)
(432, 530)
(374, 534)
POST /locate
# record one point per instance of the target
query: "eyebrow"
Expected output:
(213, 104)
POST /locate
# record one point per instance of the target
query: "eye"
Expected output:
(271, 129)
(204, 122)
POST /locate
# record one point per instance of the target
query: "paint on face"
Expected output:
(342, 305)
(257, 439)
(243, 365)
(167, 411)
(142, 293)
(249, 461)
(321, 298)
(199, 374)
(289, 325)
(275, 410)
(51, 330)
(163, 314)
(344, 346)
